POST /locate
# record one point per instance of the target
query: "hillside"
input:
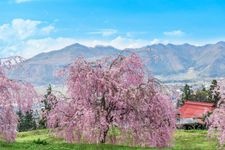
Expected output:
(168, 62)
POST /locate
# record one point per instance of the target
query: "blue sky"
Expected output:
(28, 27)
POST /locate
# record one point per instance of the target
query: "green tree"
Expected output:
(201, 95)
(26, 121)
(214, 96)
(49, 102)
(186, 95)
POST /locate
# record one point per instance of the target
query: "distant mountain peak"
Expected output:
(222, 43)
(161, 60)
(77, 45)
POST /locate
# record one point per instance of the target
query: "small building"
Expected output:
(192, 113)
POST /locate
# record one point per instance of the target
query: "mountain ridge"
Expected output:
(164, 60)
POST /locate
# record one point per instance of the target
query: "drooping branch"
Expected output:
(14, 95)
(114, 92)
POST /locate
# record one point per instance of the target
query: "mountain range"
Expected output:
(167, 62)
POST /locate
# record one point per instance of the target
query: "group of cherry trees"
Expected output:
(102, 96)
(14, 95)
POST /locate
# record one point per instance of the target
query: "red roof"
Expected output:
(192, 109)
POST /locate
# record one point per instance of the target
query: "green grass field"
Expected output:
(184, 140)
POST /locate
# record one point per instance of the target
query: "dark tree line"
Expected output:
(201, 95)
(27, 121)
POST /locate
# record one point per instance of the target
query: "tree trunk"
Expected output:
(103, 137)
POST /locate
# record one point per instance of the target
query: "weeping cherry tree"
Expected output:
(14, 95)
(113, 93)
(216, 121)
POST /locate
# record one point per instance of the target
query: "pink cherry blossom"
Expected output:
(14, 95)
(113, 93)
(216, 121)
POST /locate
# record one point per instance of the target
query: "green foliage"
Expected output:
(201, 95)
(184, 140)
(42, 123)
(26, 121)
(39, 141)
(45, 101)
(47, 107)
(186, 95)
(195, 126)
(214, 96)
(187, 91)
(114, 131)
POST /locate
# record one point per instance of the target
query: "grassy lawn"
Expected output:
(184, 140)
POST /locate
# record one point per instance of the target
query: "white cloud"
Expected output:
(22, 1)
(24, 28)
(35, 46)
(21, 29)
(15, 35)
(5, 31)
(135, 34)
(174, 33)
(48, 29)
(122, 42)
(27, 38)
(31, 47)
(104, 32)
(118, 42)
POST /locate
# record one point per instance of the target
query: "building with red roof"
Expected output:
(192, 109)
(193, 112)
